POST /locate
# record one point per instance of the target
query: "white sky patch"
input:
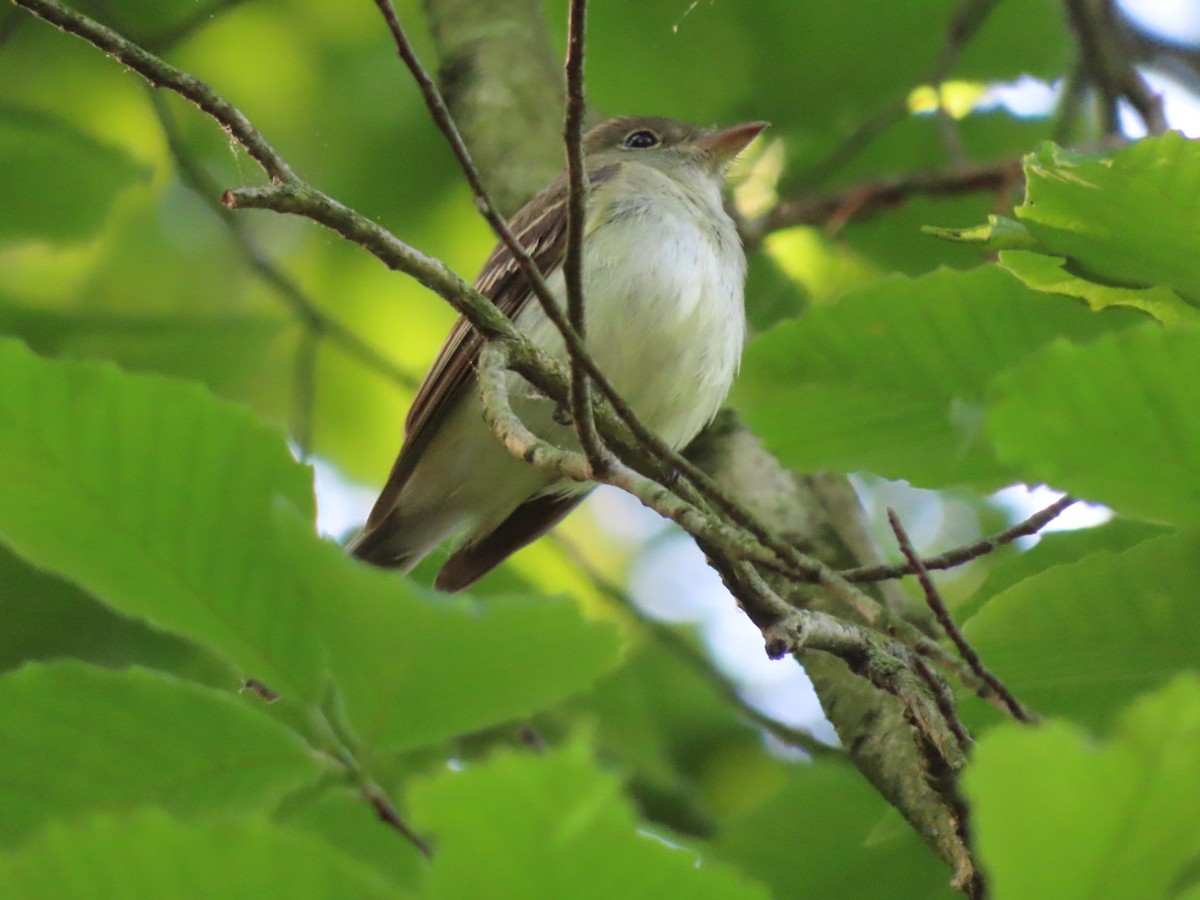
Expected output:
(671, 582)
(777, 687)
(1027, 97)
(1024, 501)
(342, 505)
(1177, 20)
(1180, 106)
(623, 516)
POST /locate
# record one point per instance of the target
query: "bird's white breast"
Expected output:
(663, 286)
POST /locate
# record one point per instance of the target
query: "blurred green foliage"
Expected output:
(157, 539)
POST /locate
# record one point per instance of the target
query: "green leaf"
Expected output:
(896, 241)
(1053, 815)
(829, 815)
(48, 618)
(222, 351)
(1000, 233)
(687, 750)
(555, 826)
(78, 739)
(345, 821)
(1018, 37)
(149, 856)
(57, 182)
(892, 378)
(1056, 549)
(1130, 221)
(1051, 274)
(413, 668)
(1113, 422)
(771, 295)
(1081, 639)
(156, 498)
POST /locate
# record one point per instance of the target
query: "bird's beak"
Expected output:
(729, 142)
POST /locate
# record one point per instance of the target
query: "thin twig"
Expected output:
(850, 147)
(872, 198)
(938, 606)
(388, 814)
(1070, 103)
(885, 663)
(962, 27)
(440, 114)
(950, 134)
(944, 700)
(900, 630)
(161, 74)
(330, 733)
(1109, 64)
(960, 555)
(577, 197)
(522, 443)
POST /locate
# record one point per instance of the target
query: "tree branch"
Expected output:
(925, 701)
(934, 599)
(160, 74)
(964, 24)
(692, 656)
(495, 361)
(1109, 65)
(960, 555)
(577, 197)
(834, 210)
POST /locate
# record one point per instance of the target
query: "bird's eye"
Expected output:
(641, 139)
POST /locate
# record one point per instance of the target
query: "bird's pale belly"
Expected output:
(666, 327)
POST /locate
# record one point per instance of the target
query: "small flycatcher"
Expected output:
(663, 274)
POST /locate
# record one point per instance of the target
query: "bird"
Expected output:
(663, 274)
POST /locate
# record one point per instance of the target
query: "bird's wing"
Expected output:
(525, 524)
(541, 227)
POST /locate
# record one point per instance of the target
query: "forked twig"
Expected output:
(938, 606)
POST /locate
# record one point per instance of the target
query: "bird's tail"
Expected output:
(389, 544)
